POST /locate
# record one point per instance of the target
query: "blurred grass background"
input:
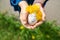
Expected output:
(12, 29)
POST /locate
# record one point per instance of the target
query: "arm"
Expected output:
(42, 2)
(14, 3)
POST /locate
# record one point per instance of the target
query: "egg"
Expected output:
(35, 14)
(32, 18)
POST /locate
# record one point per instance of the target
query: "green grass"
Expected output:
(10, 29)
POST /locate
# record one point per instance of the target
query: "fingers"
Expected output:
(39, 23)
(42, 10)
(23, 13)
(43, 14)
(23, 5)
(28, 26)
(23, 18)
(43, 17)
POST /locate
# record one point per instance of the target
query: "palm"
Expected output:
(24, 16)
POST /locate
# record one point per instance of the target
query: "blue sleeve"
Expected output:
(30, 2)
(14, 3)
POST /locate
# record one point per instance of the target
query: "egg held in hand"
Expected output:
(34, 14)
(32, 19)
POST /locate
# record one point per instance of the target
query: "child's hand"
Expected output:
(24, 16)
(43, 17)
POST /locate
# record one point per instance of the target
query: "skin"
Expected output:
(24, 15)
(41, 1)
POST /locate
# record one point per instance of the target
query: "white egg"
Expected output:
(32, 19)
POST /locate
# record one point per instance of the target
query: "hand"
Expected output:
(24, 16)
(43, 16)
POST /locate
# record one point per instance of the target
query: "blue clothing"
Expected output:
(30, 2)
(14, 3)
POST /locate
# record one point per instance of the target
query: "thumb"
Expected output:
(23, 5)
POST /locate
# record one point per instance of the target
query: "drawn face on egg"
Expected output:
(34, 14)
(32, 18)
